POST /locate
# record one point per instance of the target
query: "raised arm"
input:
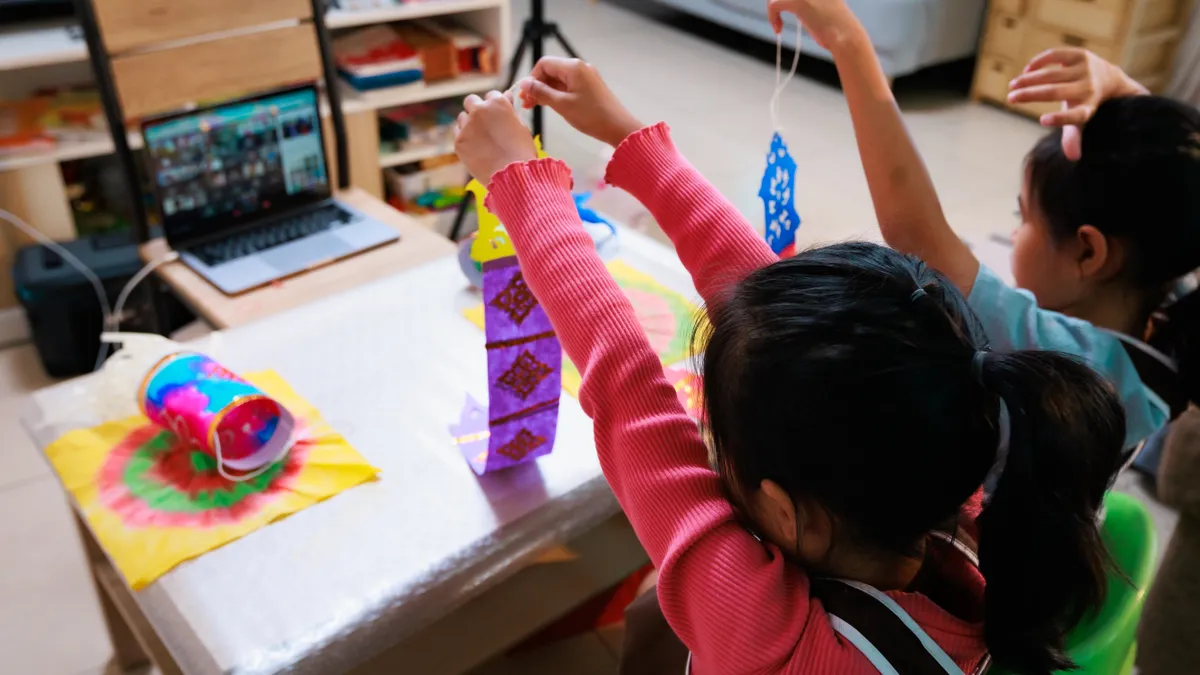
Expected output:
(713, 574)
(906, 203)
(1080, 80)
(714, 241)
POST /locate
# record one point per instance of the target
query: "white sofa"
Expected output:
(908, 34)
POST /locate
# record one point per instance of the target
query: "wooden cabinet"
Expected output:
(1139, 35)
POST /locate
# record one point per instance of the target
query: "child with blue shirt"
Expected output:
(1104, 237)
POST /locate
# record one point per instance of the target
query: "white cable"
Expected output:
(780, 82)
(42, 239)
(110, 315)
(114, 321)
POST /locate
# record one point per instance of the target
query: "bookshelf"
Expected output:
(54, 53)
(45, 45)
(414, 154)
(338, 18)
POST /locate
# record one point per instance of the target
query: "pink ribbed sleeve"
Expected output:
(715, 243)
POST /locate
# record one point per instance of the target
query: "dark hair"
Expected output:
(830, 374)
(1138, 180)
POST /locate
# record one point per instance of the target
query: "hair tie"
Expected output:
(917, 295)
(995, 473)
(977, 364)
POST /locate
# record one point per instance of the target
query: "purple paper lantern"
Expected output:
(524, 377)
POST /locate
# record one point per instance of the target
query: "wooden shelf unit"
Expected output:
(31, 184)
(1141, 36)
(337, 18)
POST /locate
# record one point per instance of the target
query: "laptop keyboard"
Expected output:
(273, 234)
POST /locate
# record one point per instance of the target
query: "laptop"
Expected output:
(243, 189)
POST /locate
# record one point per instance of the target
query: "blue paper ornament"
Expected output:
(778, 192)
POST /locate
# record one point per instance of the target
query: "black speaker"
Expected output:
(12, 11)
(65, 317)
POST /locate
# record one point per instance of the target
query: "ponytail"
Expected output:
(1040, 550)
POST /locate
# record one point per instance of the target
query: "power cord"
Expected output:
(114, 321)
(111, 318)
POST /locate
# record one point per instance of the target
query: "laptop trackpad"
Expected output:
(297, 255)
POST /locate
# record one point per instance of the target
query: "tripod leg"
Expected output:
(562, 40)
(537, 48)
(515, 64)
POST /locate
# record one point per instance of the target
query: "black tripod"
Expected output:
(533, 37)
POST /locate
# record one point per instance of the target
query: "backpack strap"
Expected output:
(1157, 371)
(881, 630)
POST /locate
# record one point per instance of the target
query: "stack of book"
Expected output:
(376, 57)
(388, 56)
(43, 121)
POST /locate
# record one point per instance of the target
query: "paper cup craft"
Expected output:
(154, 500)
(524, 377)
(214, 410)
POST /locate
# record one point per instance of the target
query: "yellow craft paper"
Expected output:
(625, 277)
(143, 554)
(492, 242)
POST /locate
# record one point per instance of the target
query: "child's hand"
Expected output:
(574, 90)
(828, 21)
(1078, 78)
(489, 136)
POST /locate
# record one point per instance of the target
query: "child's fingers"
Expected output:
(1063, 56)
(523, 90)
(555, 70)
(775, 14)
(1072, 142)
(1076, 115)
(537, 92)
(1048, 76)
(1070, 91)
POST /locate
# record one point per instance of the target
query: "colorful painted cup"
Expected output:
(216, 411)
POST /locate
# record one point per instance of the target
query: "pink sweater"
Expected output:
(733, 601)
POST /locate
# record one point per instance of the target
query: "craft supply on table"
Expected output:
(524, 357)
(154, 500)
(666, 316)
(207, 406)
(524, 361)
(778, 186)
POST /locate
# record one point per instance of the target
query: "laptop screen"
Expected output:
(220, 166)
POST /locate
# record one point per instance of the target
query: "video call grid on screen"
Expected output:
(237, 159)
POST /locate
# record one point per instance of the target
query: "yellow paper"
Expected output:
(666, 316)
(147, 527)
(492, 242)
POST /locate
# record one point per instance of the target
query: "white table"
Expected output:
(383, 567)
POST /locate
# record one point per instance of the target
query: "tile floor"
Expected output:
(714, 92)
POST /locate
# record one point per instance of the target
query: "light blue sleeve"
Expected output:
(1012, 321)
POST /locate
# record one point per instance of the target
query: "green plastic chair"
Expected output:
(1105, 644)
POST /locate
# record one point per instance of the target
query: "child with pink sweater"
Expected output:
(853, 409)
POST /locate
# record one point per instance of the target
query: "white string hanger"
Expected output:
(781, 82)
